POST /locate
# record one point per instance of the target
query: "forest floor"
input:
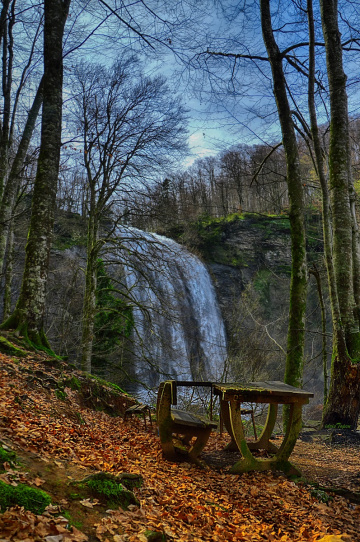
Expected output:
(59, 441)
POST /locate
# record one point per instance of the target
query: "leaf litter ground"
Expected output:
(58, 441)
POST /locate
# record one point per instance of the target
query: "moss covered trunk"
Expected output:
(343, 400)
(28, 316)
(298, 287)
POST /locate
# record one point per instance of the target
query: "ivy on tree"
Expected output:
(113, 322)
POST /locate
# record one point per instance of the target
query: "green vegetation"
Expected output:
(11, 349)
(30, 498)
(112, 490)
(113, 322)
(321, 495)
(60, 394)
(6, 457)
(72, 522)
(73, 383)
(208, 235)
(70, 230)
(154, 536)
(103, 382)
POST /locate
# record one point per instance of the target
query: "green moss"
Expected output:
(60, 394)
(321, 495)
(11, 349)
(30, 498)
(72, 522)
(80, 418)
(73, 383)
(155, 536)
(69, 230)
(6, 457)
(353, 344)
(111, 489)
(103, 382)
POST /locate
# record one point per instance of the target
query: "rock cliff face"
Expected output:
(248, 250)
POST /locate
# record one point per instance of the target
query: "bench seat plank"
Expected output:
(190, 419)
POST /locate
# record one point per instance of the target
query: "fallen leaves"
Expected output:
(20, 524)
(89, 503)
(178, 501)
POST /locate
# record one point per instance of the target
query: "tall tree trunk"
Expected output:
(299, 275)
(12, 185)
(28, 316)
(5, 123)
(9, 272)
(338, 335)
(89, 305)
(344, 395)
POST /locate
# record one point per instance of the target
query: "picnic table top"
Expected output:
(264, 390)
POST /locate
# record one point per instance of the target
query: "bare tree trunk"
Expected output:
(299, 275)
(89, 305)
(9, 272)
(6, 73)
(27, 318)
(12, 185)
(343, 403)
(314, 271)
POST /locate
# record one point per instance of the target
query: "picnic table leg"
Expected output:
(225, 415)
(248, 462)
(292, 432)
(280, 461)
(263, 442)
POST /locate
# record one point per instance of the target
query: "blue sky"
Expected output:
(221, 114)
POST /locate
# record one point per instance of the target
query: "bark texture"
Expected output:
(14, 179)
(89, 305)
(27, 318)
(344, 395)
(299, 276)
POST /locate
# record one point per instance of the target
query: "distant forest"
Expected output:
(243, 178)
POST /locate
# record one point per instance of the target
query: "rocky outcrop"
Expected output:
(246, 248)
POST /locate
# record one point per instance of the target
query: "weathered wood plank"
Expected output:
(261, 392)
(192, 420)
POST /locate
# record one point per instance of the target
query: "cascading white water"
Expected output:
(181, 333)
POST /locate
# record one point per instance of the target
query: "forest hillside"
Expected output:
(59, 428)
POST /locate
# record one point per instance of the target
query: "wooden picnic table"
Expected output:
(273, 393)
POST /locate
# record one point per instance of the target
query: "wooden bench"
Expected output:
(138, 409)
(180, 426)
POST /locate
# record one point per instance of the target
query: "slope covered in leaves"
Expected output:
(60, 440)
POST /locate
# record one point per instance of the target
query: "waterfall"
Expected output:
(180, 333)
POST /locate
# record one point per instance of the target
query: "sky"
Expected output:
(228, 105)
